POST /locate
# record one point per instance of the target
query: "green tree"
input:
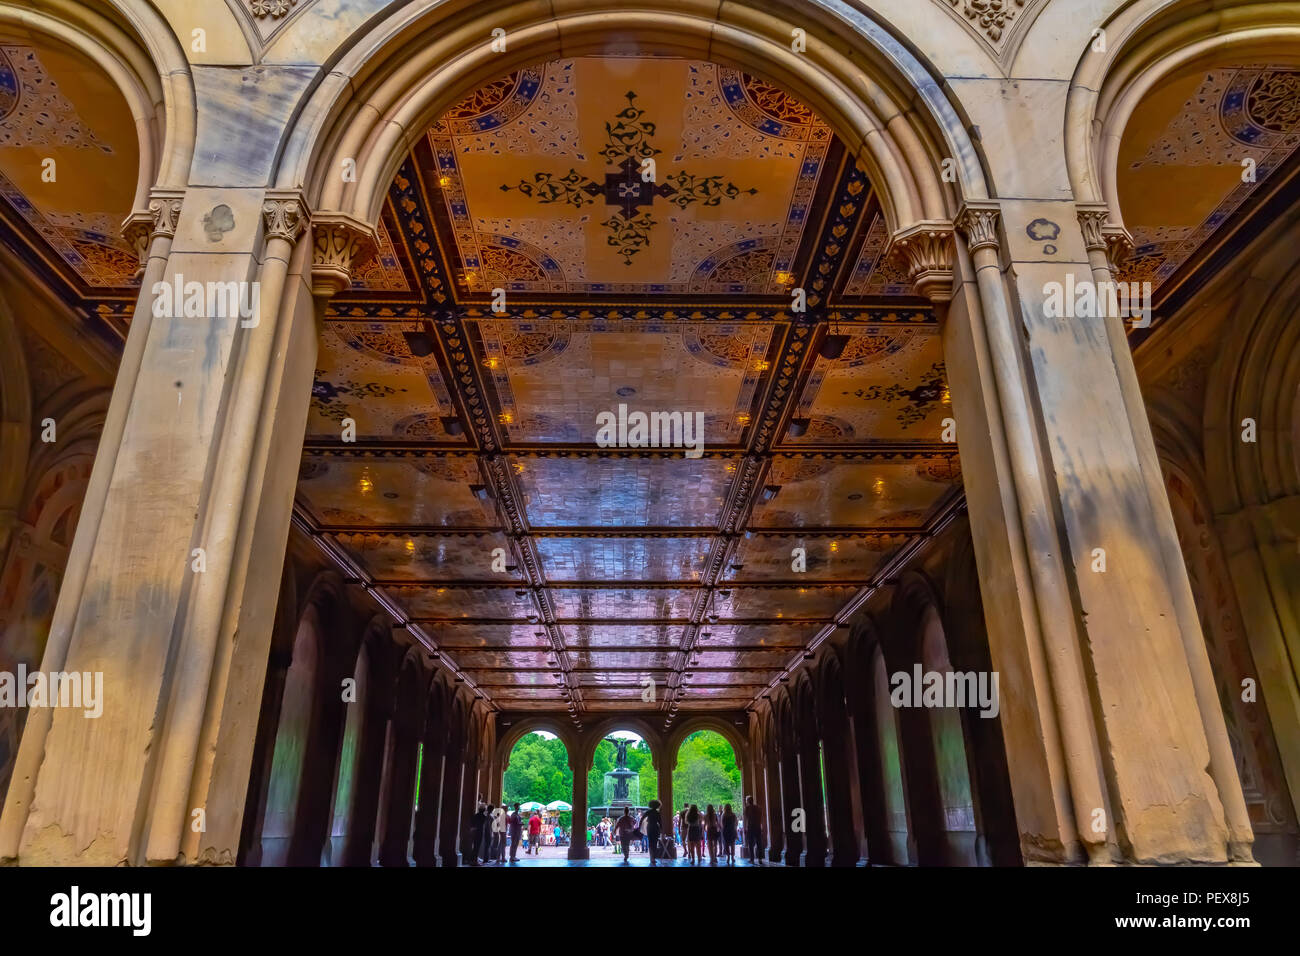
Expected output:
(706, 772)
(539, 770)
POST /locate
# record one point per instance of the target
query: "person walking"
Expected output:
(625, 826)
(534, 833)
(694, 834)
(681, 826)
(729, 834)
(712, 831)
(753, 832)
(516, 826)
(651, 825)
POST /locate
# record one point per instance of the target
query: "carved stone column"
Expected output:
(1108, 246)
(195, 473)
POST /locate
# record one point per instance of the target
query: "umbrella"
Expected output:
(559, 805)
(531, 805)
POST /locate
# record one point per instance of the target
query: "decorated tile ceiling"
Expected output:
(822, 463)
(68, 163)
(1196, 150)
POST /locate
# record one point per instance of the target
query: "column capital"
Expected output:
(284, 215)
(978, 222)
(340, 245)
(925, 250)
(141, 227)
(1099, 236)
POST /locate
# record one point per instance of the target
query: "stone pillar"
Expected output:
(449, 807)
(664, 779)
(1106, 247)
(580, 764)
(469, 800)
(1079, 596)
(396, 835)
(370, 768)
(814, 805)
(774, 813)
(425, 839)
(791, 799)
(845, 824)
(196, 472)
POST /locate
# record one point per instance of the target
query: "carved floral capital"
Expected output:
(284, 218)
(925, 252)
(979, 225)
(340, 246)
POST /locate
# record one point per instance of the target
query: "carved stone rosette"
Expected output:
(925, 251)
(340, 246)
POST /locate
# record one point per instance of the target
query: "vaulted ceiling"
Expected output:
(476, 429)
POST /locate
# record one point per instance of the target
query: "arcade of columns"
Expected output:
(1111, 744)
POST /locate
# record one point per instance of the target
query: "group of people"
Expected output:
(491, 828)
(693, 828)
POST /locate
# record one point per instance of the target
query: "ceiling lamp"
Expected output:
(798, 427)
(832, 347)
(770, 492)
(452, 426)
(420, 343)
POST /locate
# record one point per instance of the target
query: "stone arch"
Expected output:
(138, 50)
(1253, 736)
(738, 741)
(597, 731)
(390, 82)
(1148, 42)
(521, 728)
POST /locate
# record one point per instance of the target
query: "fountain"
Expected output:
(622, 786)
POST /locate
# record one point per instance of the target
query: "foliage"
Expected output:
(539, 770)
(706, 772)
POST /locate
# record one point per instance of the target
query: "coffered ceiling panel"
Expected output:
(1181, 159)
(794, 603)
(429, 557)
(622, 603)
(795, 557)
(625, 492)
(884, 385)
(404, 492)
(812, 493)
(553, 379)
(443, 603)
(545, 184)
(366, 372)
(628, 560)
(510, 428)
(650, 636)
(478, 634)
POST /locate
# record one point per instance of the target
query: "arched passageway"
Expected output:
(909, 473)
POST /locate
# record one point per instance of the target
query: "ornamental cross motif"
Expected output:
(627, 145)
